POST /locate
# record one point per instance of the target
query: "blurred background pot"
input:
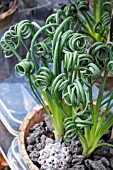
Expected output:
(6, 16)
(109, 82)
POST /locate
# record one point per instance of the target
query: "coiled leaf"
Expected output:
(70, 60)
(102, 27)
(44, 51)
(101, 52)
(77, 42)
(72, 124)
(110, 67)
(24, 29)
(74, 94)
(70, 10)
(60, 83)
(82, 4)
(9, 43)
(44, 78)
(25, 67)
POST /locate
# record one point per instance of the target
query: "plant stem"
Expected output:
(57, 122)
(99, 100)
(97, 10)
(90, 97)
(97, 110)
(83, 140)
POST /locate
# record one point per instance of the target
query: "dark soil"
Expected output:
(48, 154)
(5, 5)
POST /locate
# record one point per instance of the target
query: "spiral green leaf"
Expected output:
(77, 42)
(72, 124)
(101, 52)
(8, 43)
(74, 94)
(24, 29)
(25, 67)
(82, 4)
(44, 78)
(110, 67)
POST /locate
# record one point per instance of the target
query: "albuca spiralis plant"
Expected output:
(93, 17)
(76, 64)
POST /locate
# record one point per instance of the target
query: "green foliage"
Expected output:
(75, 64)
(92, 17)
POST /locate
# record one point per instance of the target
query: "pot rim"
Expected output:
(31, 118)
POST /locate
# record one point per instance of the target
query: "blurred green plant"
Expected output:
(92, 17)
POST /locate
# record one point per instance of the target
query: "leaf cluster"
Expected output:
(92, 17)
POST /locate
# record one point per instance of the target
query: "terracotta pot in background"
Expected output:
(3, 162)
(6, 17)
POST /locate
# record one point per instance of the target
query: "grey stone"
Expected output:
(96, 165)
(34, 156)
(96, 157)
(102, 151)
(30, 140)
(37, 134)
(111, 162)
(37, 139)
(38, 131)
(75, 147)
(49, 140)
(30, 148)
(43, 138)
(77, 159)
(78, 167)
(58, 157)
(39, 146)
(34, 159)
(48, 123)
(111, 151)
(105, 161)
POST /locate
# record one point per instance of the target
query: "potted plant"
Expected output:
(75, 64)
(7, 10)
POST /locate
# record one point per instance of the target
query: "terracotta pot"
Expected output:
(31, 118)
(7, 16)
(3, 162)
(109, 83)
